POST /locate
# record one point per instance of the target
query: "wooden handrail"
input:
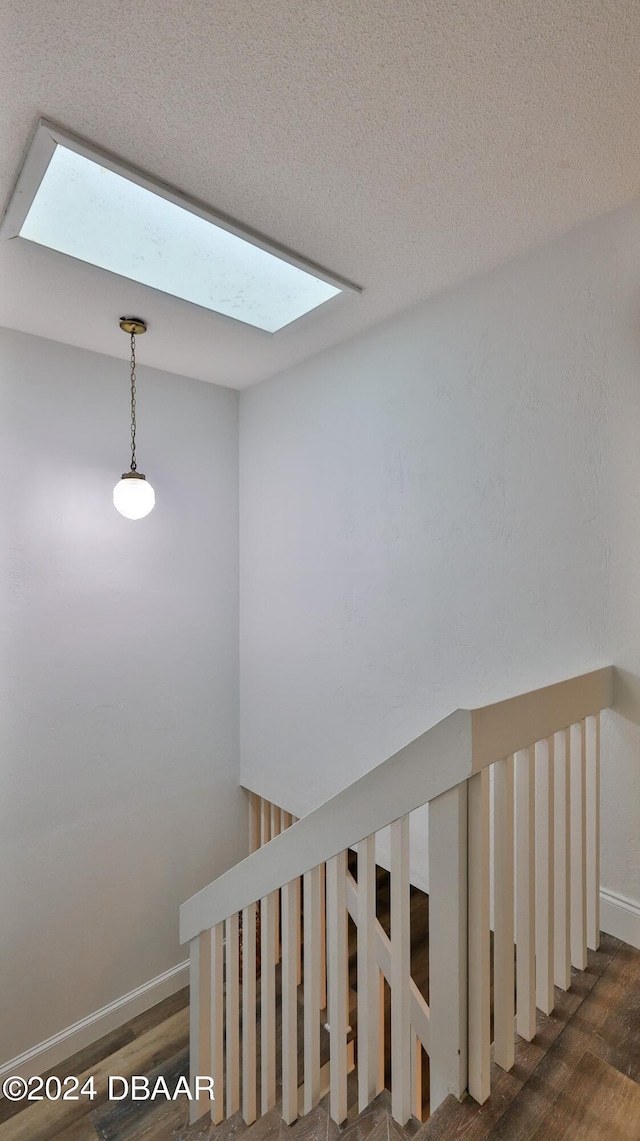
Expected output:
(431, 764)
(502, 729)
(447, 754)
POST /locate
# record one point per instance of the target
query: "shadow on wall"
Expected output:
(626, 695)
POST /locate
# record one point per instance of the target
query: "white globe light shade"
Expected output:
(133, 497)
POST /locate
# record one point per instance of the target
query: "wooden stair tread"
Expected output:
(596, 1103)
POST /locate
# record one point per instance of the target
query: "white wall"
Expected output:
(119, 782)
(426, 522)
(621, 775)
(439, 513)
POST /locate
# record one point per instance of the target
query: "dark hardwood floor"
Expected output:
(579, 1078)
(600, 1015)
(600, 1098)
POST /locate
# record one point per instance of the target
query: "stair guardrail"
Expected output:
(513, 795)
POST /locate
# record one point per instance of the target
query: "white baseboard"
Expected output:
(46, 1054)
(620, 917)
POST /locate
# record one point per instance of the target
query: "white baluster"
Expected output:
(276, 821)
(503, 907)
(249, 1108)
(337, 983)
(233, 1016)
(545, 997)
(267, 1003)
(289, 1004)
(479, 938)
(200, 1017)
(400, 973)
(416, 1076)
(368, 989)
(323, 936)
(294, 820)
(525, 894)
(562, 861)
(311, 952)
(265, 822)
(217, 1022)
(577, 744)
(275, 829)
(254, 822)
(381, 1028)
(592, 729)
(300, 925)
(448, 951)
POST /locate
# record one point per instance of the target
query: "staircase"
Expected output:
(331, 996)
(554, 1084)
(292, 939)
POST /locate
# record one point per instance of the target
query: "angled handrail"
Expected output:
(448, 753)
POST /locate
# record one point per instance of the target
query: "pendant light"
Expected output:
(133, 496)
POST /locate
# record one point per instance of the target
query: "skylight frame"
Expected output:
(48, 136)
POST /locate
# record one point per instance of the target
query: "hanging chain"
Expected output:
(133, 402)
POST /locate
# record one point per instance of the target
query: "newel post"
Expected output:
(448, 944)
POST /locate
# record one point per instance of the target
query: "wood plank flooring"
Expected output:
(596, 1098)
(565, 1080)
(599, 1015)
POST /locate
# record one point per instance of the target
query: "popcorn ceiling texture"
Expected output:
(405, 146)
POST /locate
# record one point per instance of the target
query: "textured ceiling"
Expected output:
(404, 145)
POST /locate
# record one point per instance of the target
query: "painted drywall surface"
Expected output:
(620, 779)
(426, 524)
(119, 778)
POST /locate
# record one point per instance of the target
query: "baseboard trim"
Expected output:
(620, 916)
(46, 1054)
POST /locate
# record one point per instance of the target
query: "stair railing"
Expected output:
(534, 759)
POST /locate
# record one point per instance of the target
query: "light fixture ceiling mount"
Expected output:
(133, 325)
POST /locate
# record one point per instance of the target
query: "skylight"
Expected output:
(95, 210)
